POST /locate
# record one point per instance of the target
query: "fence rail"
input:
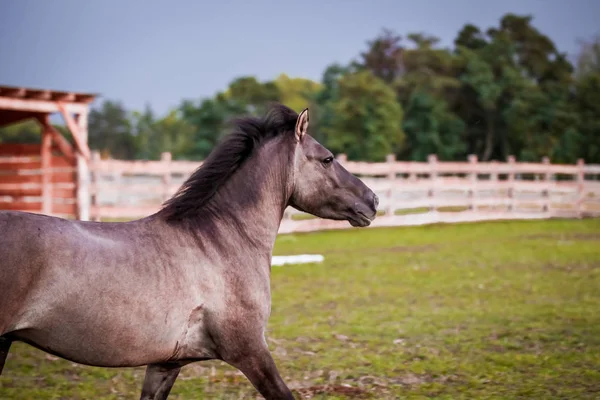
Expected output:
(411, 193)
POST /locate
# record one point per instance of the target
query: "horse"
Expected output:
(188, 283)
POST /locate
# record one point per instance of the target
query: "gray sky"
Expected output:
(159, 52)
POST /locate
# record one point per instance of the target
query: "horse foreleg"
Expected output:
(159, 380)
(258, 366)
(4, 347)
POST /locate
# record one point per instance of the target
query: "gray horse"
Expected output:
(188, 283)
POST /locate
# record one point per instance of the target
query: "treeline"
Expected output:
(506, 90)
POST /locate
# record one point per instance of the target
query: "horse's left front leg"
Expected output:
(4, 348)
(159, 380)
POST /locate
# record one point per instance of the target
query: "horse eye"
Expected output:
(328, 160)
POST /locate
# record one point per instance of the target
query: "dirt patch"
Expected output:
(411, 379)
(571, 267)
(337, 390)
(370, 386)
(394, 249)
(408, 249)
(574, 236)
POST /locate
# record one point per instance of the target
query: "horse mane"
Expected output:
(226, 158)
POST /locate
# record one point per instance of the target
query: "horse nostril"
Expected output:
(375, 201)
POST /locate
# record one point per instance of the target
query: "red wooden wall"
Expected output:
(26, 186)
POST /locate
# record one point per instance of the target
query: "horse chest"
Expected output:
(228, 305)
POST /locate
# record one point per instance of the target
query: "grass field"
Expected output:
(502, 310)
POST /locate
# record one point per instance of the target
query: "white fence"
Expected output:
(411, 193)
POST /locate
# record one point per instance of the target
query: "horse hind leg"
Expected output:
(159, 380)
(4, 348)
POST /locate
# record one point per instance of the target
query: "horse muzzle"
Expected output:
(364, 212)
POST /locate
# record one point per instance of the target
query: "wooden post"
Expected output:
(412, 176)
(511, 182)
(74, 126)
(165, 158)
(546, 187)
(494, 181)
(83, 172)
(46, 154)
(116, 177)
(433, 178)
(390, 159)
(547, 174)
(580, 187)
(473, 181)
(63, 145)
(494, 171)
(96, 159)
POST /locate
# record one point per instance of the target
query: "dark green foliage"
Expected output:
(432, 129)
(499, 91)
(110, 131)
(366, 118)
(28, 131)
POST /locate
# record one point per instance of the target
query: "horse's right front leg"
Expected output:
(4, 348)
(254, 360)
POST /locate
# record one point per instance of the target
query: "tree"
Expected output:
(535, 53)
(505, 90)
(470, 37)
(588, 107)
(587, 99)
(296, 93)
(323, 115)
(384, 58)
(432, 129)
(253, 95)
(110, 131)
(481, 83)
(424, 79)
(516, 95)
(543, 124)
(426, 68)
(205, 122)
(28, 131)
(208, 123)
(171, 133)
(147, 144)
(366, 119)
(588, 59)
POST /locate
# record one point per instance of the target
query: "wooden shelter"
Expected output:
(51, 177)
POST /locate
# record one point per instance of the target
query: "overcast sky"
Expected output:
(159, 52)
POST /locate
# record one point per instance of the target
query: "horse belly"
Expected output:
(102, 321)
(96, 337)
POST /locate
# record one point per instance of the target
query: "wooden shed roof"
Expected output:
(20, 103)
(25, 93)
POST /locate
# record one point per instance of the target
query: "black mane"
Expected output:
(226, 158)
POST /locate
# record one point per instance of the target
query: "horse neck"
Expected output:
(250, 206)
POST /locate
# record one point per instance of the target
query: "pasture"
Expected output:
(500, 310)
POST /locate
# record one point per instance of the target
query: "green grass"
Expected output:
(500, 310)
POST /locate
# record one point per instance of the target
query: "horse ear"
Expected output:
(302, 124)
